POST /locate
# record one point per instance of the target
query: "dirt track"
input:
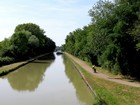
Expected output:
(101, 75)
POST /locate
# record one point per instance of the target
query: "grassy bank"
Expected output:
(7, 68)
(11, 67)
(112, 93)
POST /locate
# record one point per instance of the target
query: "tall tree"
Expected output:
(112, 40)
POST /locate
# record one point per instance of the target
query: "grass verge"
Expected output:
(5, 69)
(11, 67)
(112, 93)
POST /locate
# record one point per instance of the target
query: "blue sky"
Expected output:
(56, 17)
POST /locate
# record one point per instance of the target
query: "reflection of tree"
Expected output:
(82, 91)
(47, 57)
(29, 76)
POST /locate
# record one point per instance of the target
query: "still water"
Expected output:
(50, 80)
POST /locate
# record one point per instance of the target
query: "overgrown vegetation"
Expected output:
(27, 41)
(112, 40)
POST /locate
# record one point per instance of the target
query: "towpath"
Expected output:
(101, 75)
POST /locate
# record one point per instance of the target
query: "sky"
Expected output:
(57, 17)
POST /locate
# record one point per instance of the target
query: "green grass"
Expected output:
(110, 92)
(113, 93)
(6, 68)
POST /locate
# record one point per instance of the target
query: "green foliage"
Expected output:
(32, 28)
(19, 44)
(5, 44)
(33, 41)
(112, 39)
(6, 60)
(138, 46)
(27, 41)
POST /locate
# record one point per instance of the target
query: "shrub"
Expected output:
(6, 60)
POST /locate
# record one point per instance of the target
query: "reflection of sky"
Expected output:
(59, 87)
(55, 89)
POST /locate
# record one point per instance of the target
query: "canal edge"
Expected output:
(83, 77)
(3, 73)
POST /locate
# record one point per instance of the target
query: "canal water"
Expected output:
(50, 80)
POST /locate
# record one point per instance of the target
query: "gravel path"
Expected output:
(101, 75)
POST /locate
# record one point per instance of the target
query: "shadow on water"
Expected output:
(82, 91)
(50, 56)
(40, 61)
(28, 77)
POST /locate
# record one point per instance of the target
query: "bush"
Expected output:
(6, 60)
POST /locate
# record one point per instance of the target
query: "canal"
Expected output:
(50, 80)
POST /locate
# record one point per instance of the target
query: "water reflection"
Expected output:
(27, 78)
(82, 91)
(59, 85)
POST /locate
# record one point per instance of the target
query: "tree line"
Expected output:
(112, 39)
(28, 41)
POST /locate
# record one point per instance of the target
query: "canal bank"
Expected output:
(4, 70)
(111, 93)
(98, 99)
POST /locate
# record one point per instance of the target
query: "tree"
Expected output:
(33, 41)
(38, 36)
(112, 40)
(19, 44)
(27, 41)
(33, 29)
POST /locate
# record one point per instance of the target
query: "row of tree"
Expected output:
(112, 40)
(27, 41)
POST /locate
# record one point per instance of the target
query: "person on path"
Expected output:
(94, 69)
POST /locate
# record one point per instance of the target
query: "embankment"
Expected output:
(12, 67)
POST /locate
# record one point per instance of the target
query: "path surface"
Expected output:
(101, 75)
